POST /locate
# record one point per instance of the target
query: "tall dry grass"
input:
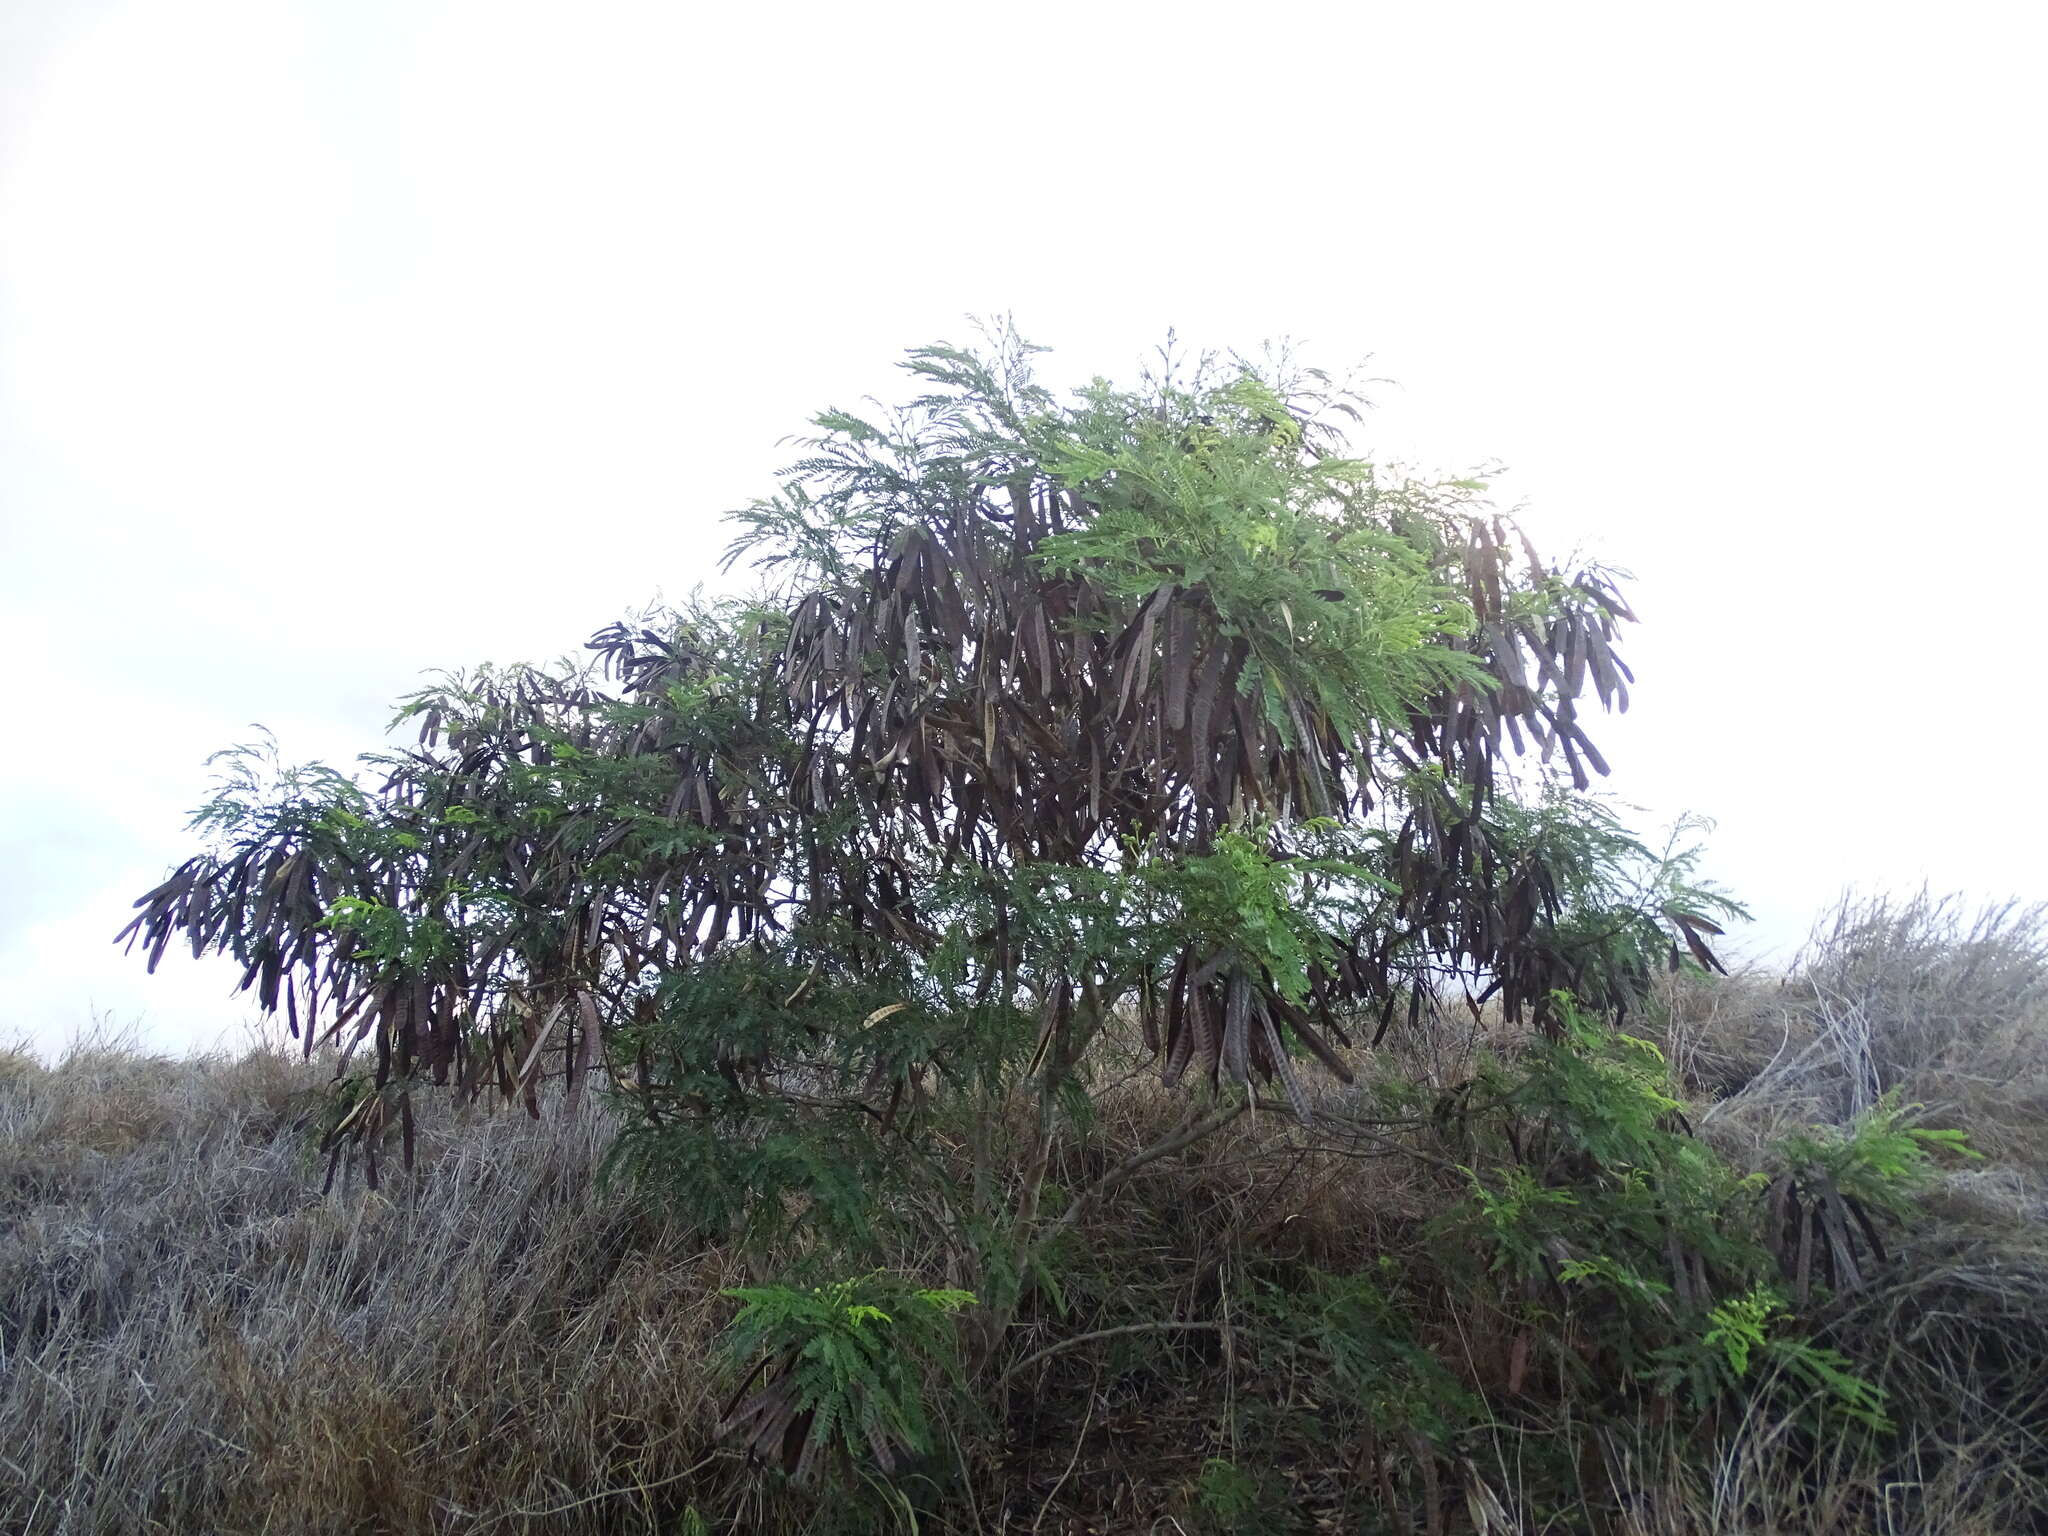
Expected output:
(1943, 1006)
(1921, 996)
(193, 1339)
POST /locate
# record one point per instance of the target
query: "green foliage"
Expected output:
(1755, 1327)
(1624, 910)
(834, 1161)
(1276, 902)
(391, 942)
(254, 789)
(1231, 1499)
(1738, 1327)
(1356, 1337)
(1608, 1220)
(1592, 1177)
(848, 1361)
(1880, 1159)
(1205, 485)
(1600, 1092)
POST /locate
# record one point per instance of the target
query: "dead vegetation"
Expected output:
(193, 1338)
(196, 1340)
(1922, 996)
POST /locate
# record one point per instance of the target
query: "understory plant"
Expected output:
(1635, 1262)
(844, 1364)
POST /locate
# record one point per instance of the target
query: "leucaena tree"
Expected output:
(1144, 721)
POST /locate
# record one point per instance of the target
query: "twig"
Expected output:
(1184, 1138)
(1107, 1333)
(1351, 1127)
(608, 1493)
(1073, 1460)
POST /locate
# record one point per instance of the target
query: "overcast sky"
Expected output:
(342, 341)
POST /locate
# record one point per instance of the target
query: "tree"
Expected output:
(1147, 711)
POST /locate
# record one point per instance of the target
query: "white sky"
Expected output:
(344, 340)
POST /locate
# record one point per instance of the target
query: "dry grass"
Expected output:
(1943, 1005)
(193, 1339)
(196, 1340)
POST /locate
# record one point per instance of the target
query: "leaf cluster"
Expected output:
(844, 1367)
(1646, 1261)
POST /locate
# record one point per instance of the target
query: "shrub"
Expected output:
(844, 1365)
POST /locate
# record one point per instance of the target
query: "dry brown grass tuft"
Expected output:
(195, 1340)
(18, 1062)
(1943, 1005)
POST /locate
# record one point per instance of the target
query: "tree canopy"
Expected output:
(1150, 706)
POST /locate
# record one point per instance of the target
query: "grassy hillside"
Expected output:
(1276, 1329)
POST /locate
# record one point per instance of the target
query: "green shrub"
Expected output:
(1643, 1259)
(844, 1367)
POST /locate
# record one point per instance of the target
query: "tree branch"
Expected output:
(1187, 1136)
